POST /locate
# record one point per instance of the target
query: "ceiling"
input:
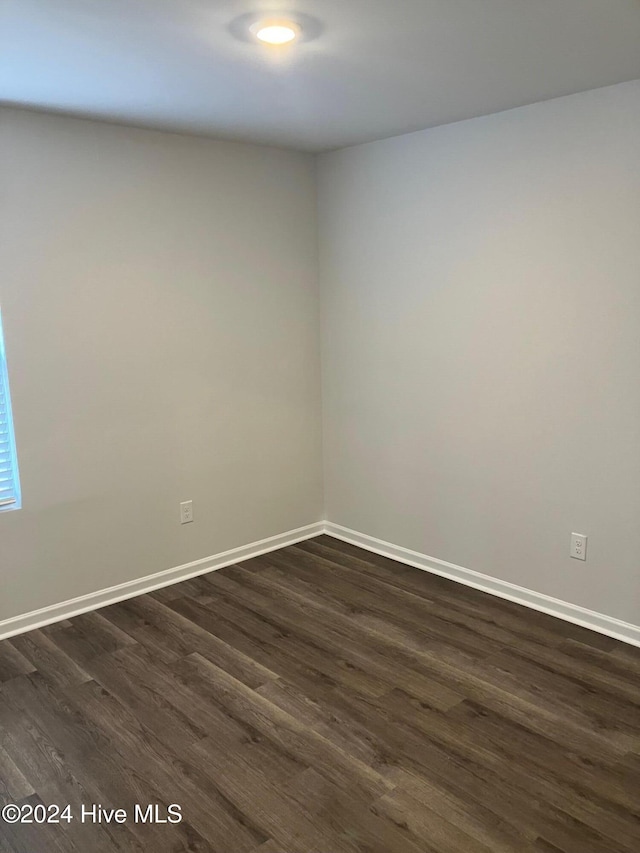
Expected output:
(377, 68)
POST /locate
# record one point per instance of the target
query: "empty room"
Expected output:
(320, 426)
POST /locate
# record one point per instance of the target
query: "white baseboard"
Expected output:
(95, 600)
(623, 631)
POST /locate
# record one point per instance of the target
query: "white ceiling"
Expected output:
(378, 68)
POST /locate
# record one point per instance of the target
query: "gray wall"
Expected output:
(481, 337)
(159, 297)
(481, 307)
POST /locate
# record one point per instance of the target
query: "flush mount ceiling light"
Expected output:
(277, 29)
(276, 32)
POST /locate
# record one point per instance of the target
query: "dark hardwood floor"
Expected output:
(322, 699)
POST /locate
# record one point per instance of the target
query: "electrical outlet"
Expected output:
(186, 512)
(578, 546)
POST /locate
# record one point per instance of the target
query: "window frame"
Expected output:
(13, 454)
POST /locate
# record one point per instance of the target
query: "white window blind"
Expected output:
(9, 485)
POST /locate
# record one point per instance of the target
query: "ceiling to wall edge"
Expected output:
(238, 140)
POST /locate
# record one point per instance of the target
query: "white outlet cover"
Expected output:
(186, 512)
(578, 548)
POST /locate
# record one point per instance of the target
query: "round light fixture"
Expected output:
(275, 29)
(276, 32)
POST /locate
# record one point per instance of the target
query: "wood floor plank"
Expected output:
(589, 807)
(206, 807)
(12, 662)
(365, 650)
(476, 819)
(13, 784)
(324, 699)
(126, 618)
(423, 822)
(100, 774)
(41, 758)
(188, 637)
(147, 693)
(381, 647)
(353, 819)
(378, 598)
(287, 647)
(541, 626)
(49, 659)
(291, 828)
(27, 838)
(88, 636)
(604, 779)
(288, 732)
(331, 724)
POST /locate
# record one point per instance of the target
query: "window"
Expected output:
(9, 485)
